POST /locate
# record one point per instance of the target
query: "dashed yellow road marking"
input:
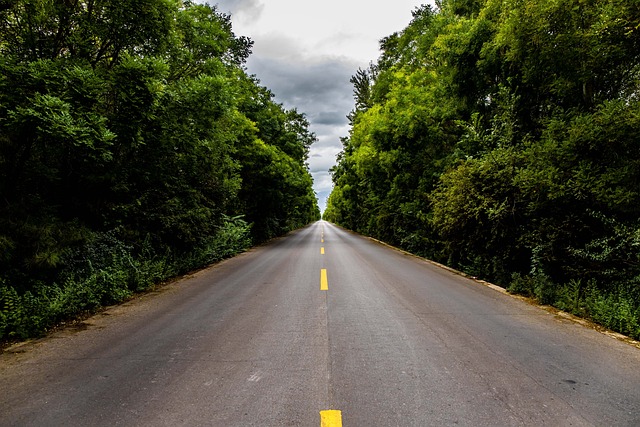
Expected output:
(322, 251)
(330, 419)
(324, 284)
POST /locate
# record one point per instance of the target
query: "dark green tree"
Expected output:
(133, 146)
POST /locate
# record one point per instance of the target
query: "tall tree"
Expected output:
(130, 134)
(501, 147)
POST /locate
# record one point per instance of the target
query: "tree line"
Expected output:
(134, 146)
(503, 139)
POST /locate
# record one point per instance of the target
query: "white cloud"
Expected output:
(350, 28)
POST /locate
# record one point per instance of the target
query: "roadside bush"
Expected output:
(616, 308)
(232, 237)
(105, 271)
(538, 286)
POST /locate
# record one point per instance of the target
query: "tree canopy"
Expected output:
(503, 138)
(130, 131)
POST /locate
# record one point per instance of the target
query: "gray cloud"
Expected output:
(323, 158)
(245, 10)
(330, 134)
(322, 163)
(318, 88)
(322, 186)
(329, 118)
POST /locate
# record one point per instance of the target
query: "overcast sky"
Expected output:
(305, 52)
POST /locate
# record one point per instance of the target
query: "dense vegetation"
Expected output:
(503, 138)
(133, 147)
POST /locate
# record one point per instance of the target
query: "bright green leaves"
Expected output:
(571, 53)
(501, 137)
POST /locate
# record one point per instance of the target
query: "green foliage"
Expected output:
(104, 271)
(617, 307)
(275, 183)
(132, 145)
(618, 310)
(502, 138)
(233, 237)
(538, 286)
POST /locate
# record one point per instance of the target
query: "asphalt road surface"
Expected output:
(323, 326)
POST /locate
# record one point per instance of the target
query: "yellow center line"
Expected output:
(330, 419)
(324, 284)
(321, 251)
(321, 240)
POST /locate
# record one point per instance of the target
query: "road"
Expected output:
(266, 339)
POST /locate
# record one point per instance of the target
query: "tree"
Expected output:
(132, 145)
(498, 147)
